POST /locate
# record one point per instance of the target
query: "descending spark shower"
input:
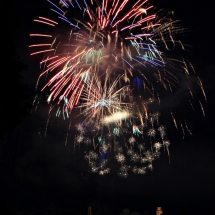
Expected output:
(109, 61)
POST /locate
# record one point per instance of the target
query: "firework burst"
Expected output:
(111, 63)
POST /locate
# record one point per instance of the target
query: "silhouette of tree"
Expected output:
(13, 93)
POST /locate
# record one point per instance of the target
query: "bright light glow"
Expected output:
(116, 117)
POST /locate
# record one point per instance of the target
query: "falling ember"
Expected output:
(174, 120)
(183, 131)
(202, 108)
(202, 88)
(187, 128)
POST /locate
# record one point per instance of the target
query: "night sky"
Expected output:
(39, 175)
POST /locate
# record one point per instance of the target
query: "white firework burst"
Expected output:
(120, 158)
(132, 140)
(104, 171)
(79, 139)
(93, 155)
(149, 156)
(141, 170)
(141, 147)
(151, 132)
(162, 131)
(135, 157)
(157, 146)
(144, 160)
(94, 169)
(130, 152)
(135, 169)
(80, 127)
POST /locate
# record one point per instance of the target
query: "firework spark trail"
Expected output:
(38, 101)
(202, 88)
(109, 45)
(202, 108)
(183, 130)
(35, 98)
(174, 120)
(191, 105)
(187, 128)
(66, 141)
(46, 127)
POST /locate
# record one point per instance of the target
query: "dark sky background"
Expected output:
(39, 173)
